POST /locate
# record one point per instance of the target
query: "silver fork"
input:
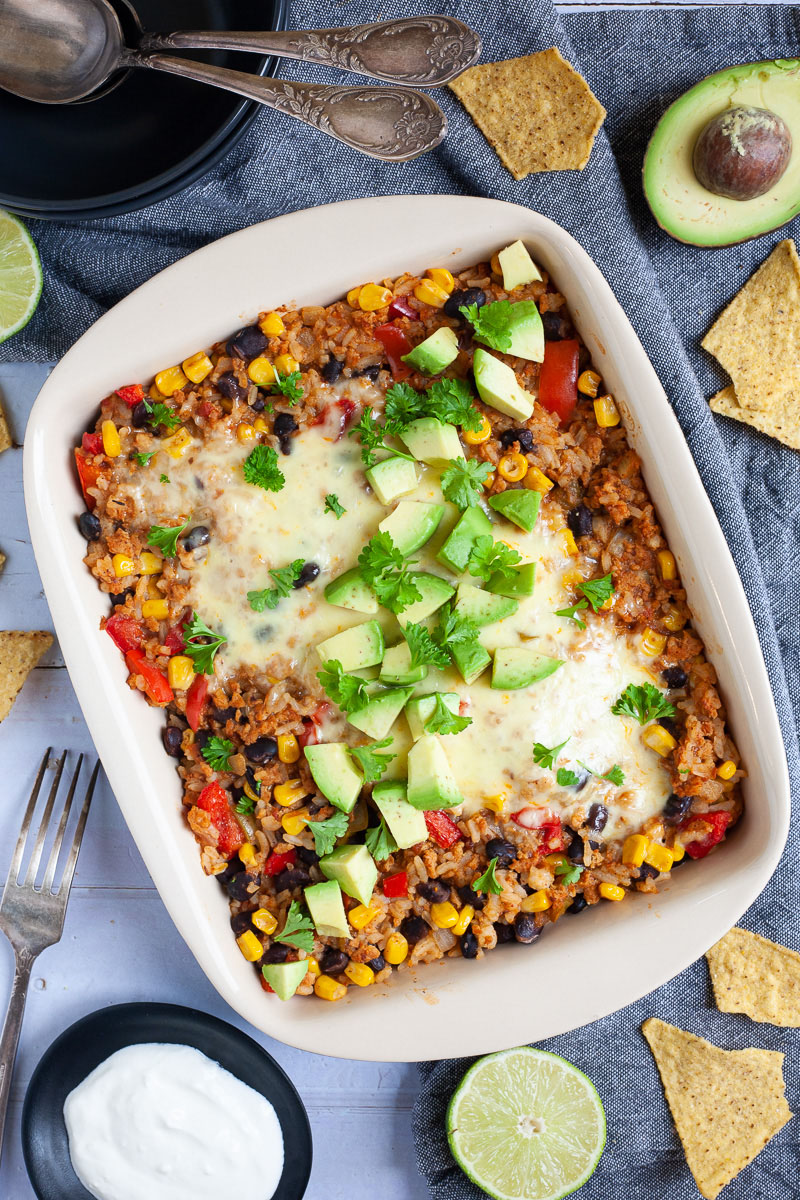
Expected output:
(32, 918)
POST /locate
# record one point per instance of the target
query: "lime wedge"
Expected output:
(20, 276)
(526, 1125)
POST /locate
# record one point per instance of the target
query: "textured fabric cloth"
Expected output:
(636, 63)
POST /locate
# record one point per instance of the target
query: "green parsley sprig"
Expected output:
(643, 702)
(162, 414)
(288, 386)
(298, 930)
(143, 459)
(488, 557)
(327, 833)
(217, 753)
(284, 578)
(597, 591)
(372, 763)
(332, 505)
(545, 756)
(372, 434)
(380, 841)
(165, 538)
(443, 721)
(348, 691)
(569, 613)
(261, 469)
(424, 650)
(382, 567)
(567, 872)
(614, 775)
(488, 881)
(463, 480)
(201, 644)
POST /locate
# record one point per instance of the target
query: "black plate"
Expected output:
(90, 1041)
(145, 138)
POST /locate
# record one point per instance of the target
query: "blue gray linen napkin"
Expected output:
(636, 63)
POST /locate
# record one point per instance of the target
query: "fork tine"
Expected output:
(33, 865)
(55, 849)
(69, 866)
(16, 861)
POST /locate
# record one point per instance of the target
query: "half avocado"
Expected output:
(680, 203)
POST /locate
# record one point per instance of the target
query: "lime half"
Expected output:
(526, 1125)
(20, 276)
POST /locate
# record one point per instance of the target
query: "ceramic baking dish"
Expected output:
(456, 1007)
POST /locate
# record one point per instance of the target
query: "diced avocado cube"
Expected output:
(421, 708)
(432, 441)
(335, 774)
(517, 667)
(527, 332)
(434, 592)
(454, 553)
(392, 478)
(379, 714)
(436, 353)
(517, 266)
(431, 783)
(349, 591)
(471, 659)
(411, 524)
(498, 387)
(521, 585)
(325, 905)
(406, 824)
(354, 870)
(396, 666)
(356, 648)
(481, 607)
(518, 505)
(285, 978)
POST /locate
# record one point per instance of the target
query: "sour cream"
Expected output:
(163, 1122)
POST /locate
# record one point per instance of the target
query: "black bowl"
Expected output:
(141, 140)
(91, 1040)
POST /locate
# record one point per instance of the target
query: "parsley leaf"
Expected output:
(245, 806)
(326, 833)
(645, 703)
(298, 930)
(380, 842)
(382, 567)
(288, 386)
(261, 468)
(615, 775)
(566, 778)
(491, 322)
(424, 650)
(450, 400)
(546, 757)
(162, 414)
(217, 752)
(348, 691)
(597, 591)
(443, 721)
(163, 478)
(372, 434)
(488, 557)
(569, 613)
(487, 882)
(165, 537)
(371, 762)
(284, 578)
(463, 480)
(144, 459)
(396, 590)
(403, 405)
(567, 872)
(452, 628)
(202, 652)
(332, 505)
(380, 554)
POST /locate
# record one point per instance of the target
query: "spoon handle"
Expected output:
(424, 51)
(392, 123)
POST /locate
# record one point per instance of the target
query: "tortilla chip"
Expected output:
(537, 112)
(726, 1104)
(19, 654)
(2, 559)
(757, 337)
(754, 976)
(5, 435)
(782, 428)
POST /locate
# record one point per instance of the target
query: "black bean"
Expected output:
(377, 964)
(172, 738)
(505, 852)
(680, 862)
(285, 444)
(197, 537)
(238, 887)
(306, 855)
(277, 953)
(555, 327)
(292, 877)
(250, 775)
(579, 520)
(308, 573)
(598, 815)
(525, 928)
(139, 415)
(229, 386)
(434, 891)
(505, 933)
(240, 922)
(248, 342)
(89, 525)
(262, 750)
(578, 903)
(521, 435)
(333, 961)
(234, 866)
(120, 597)
(201, 739)
(222, 715)
(670, 725)
(469, 945)
(676, 809)
(584, 358)
(648, 872)
(283, 424)
(413, 929)
(675, 677)
(461, 298)
(467, 896)
(259, 404)
(332, 370)
(575, 849)
(370, 373)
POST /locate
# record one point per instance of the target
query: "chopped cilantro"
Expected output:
(380, 842)
(380, 554)
(463, 480)
(545, 756)
(382, 567)
(163, 478)
(245, 806)
(371, 762)
(144, 459)
(568, 872)
(288, 386)
(443, 721)
(332, 505)
(217, 753)
(597, 591)
(403, 405)
(487, 882)
(261, 468)
(348, 691)
(424, 650)
(566, 778)
(372, 434)
(643, 702)
(202, 652)
(162, 414)
(488, 557)
(298, 930)
(165, 538)
(285, 578)
(452, 628)
(450, 400)
(491, 322)
(615, 775)
(327, 833)
(569, 613)
(396, 590)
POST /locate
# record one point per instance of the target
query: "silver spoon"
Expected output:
(59, 51)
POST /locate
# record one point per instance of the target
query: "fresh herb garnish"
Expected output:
(162, 414)
(327, 833)
(144, 459)
(245, 806)
(382, 567)
(569, 613)
(566, 778)
(492, 322)
(488, 557)
(165, 538)
(597, 591)
(372, 434)
(380, 842)
(545, 756)
(615, 775)
(643, 702)
(261, 468)
(163, 478)
(371, 762)
(424, 650)
(452, 629)
(568, 872)
(396, 590)
(217, 753)
(288, 386)
(487, 882)
(451, 401)
(201, 652)
(443, 721)
(403, 404)
(298, 930)
(379, 555)
(463, 480)
(285, 578)
(348, 691)
(332, 505)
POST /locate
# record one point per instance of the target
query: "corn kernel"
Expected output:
(537, 481)
(288, 748)
(606, 412)
(159, 609)
(313, 966)
(588, 383)
(328, 989)
(247, 854)
(464, 919)
(488, 481)
(431, 293)
(513, 467)
(570, 545)
(263, 919)
(360, 974)
(245, 432)
(678, 851)
(674, 619)
(666, 564)
(250, 946)
(555, 860)
(197, 367)
(479, 435)
(153, 393)
(495, 804)
(261, 371)
(538, 902)
(360, 916)
(111, 443)
(727, 770)
(494, 263)
(571, 579)
(271, 325)
(153, 590)
(295, 822)
(177, 444)
(170, 381)
(180, 672)
(442, 277)
(260, 425)
(444, 915)
(123, 565)
(149, 563)
(250, 792)
(652, 643)
(659, 739)
(352, 297)
(288, 793)
(396, 950)
(634, 849)
(373, 296)
(286, 364)
(610, 891)
(659, 857)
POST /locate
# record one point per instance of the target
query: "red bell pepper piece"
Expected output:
(552, 833)
(442, 828)
(92, 443)
(125, 632)
(545, 823)
(558, 378)
(400, 307)
(309, 734)
(175, 640)
(396, 344)
(156, 685)
(347, 408)
(88, 474)
(718, 822)
(395, 885)
(215, 801)
(195, 699)
(279, 862)
(265, 985)
(132, 394)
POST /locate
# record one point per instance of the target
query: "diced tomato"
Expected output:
(92, 443)
(156, 685)
(545, 822)
(195, 699)
(279, 862)
(320, 712)
(309, 734)
(552, 836)
(265, 985)
(442, 828)
(346, 408)
(396, 344)
(718, 823)
(216, 802)
(395, 885)
(174, 641)
(125, 632)
(558, 378)
(88, 474)
(400, 307)
(132, 394)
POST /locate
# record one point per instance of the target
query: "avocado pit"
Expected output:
(742, 153)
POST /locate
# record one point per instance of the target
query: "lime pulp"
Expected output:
(20, 276)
